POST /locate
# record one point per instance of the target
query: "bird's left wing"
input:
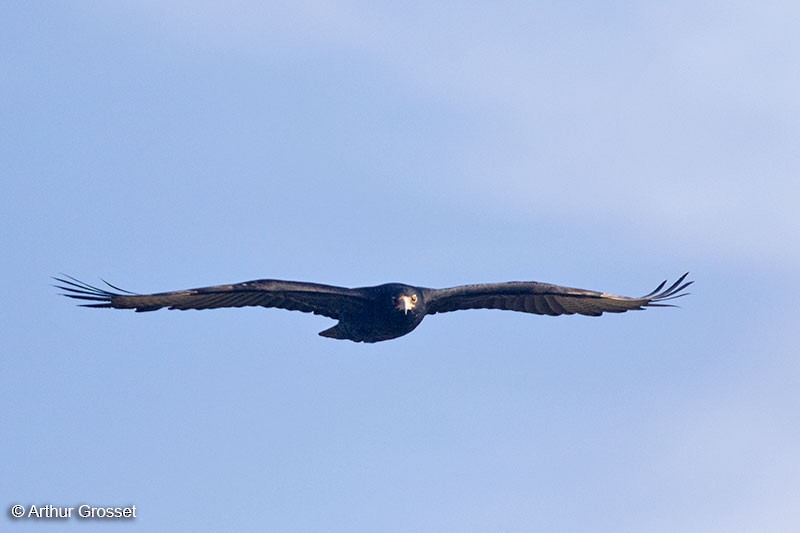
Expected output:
(546, 299)
(314, 298)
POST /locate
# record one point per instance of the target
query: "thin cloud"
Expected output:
(679, 120)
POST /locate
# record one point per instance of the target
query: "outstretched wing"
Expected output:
(546, 299)
(314, 298)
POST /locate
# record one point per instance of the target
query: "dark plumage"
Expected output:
(372, 314)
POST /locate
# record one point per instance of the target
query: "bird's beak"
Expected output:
(405, 304)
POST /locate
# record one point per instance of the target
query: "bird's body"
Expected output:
(382, 312)
(383, 317)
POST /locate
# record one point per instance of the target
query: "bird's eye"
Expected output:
(414, 298)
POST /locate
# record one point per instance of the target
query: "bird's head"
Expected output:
(406, 300)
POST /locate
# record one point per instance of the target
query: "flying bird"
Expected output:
(383, 312)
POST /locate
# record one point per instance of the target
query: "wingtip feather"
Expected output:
(79, 290)
(674, 291)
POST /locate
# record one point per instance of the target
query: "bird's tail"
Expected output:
(333, 333)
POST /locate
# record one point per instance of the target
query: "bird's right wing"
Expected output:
(326, 300)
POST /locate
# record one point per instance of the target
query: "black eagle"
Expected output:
(383, 312)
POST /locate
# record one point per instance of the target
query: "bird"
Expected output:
(381, 312)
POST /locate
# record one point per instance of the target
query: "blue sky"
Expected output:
(167, 145)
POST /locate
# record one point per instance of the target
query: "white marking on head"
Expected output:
(406, 303)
